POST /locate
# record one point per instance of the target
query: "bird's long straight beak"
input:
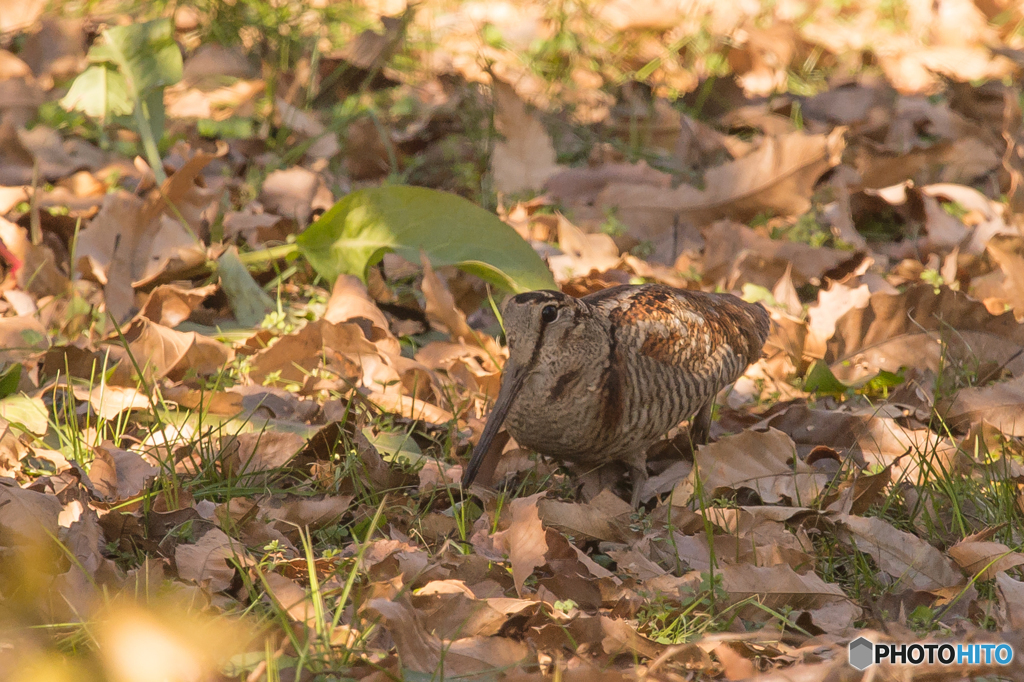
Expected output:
(511, 383)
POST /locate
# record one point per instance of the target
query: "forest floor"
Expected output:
(243, 361)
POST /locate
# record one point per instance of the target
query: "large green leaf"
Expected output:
(100, 92)
(358, 230)
(145, 53)
(133, 64)
(29, 414)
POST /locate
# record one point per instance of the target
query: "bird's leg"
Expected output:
(638, 469)
(700, 424)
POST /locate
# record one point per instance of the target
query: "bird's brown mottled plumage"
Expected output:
(600, 378)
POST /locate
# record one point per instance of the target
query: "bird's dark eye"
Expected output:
(549, 313)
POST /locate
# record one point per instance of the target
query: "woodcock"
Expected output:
(599, 379)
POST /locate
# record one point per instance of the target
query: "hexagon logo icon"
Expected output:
(862, 653)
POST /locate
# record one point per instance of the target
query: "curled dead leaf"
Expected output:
(524, 540)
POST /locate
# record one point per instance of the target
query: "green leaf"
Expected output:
(134, 64)
(754, 293)
(249, 302)
(358, 230)
(394, 445)
(9, 380)
(29, 414)
(145, 54)
(154, 102)
(99, 92)
(233, 128)
(820, 379)
(881, 383)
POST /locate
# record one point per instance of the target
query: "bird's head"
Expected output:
(531, 320)
(534, 317)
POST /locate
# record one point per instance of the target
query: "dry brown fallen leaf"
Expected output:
(21, 338)
(164, 352)
(984, 558)
(118, 474)
(132, 242)
(764, 461)
(525, 540)
(39, 274)
(606, 517)
(209, 562)
(344, 348)
(902, 555)
(261, 452)
(219, 403)
(869, 439)
(582, 253)
(290, 597)
(861, 493)
(583, 185)
(170, 305)
(209, 101)
(290, 513)
(735, 254)
(469, 366)
(26, 516)
(294, 193)
(411, 408)
(922, 328)
(609, 636)
(525, 158)
(291, 357)
(1001, 405)
(779, 176)
(307, 124)
(422, 652)
(778, 586)
(1010, 593)
(259, 230)
(350, 302)
(914, 69)
(762, 60)
(761, 549)
(735, 666)
(453, 610)
(441, 308)
(110, 401)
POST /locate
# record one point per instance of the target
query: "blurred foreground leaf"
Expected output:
(9, 380)
(358, 230)
(27, 413)
(133, 62)
(126, 80)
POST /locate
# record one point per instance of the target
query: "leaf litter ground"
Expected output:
(212, 474)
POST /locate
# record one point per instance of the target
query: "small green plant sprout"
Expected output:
(565, 605)
(935, 278)
(612, 225)
(125, 83)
